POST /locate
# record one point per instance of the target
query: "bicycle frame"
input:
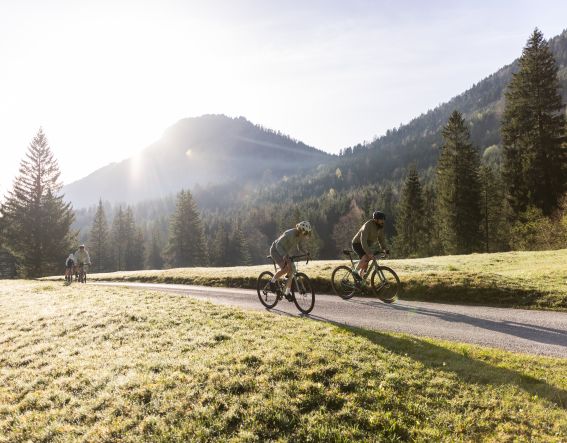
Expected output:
(293, 271)
(372, 265)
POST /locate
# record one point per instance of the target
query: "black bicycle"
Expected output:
(302, 293)
(81, 273)
(384, 282)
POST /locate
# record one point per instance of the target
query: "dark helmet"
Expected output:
(379, 215)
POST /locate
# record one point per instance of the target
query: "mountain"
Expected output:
(207, 150)
(388, 157)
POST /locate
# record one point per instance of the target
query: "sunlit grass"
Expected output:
(516, 279)
(85, 363)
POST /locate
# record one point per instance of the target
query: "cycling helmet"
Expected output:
(82, 247)
(304, 227)
(379, 215)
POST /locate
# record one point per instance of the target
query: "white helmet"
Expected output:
(304, 227)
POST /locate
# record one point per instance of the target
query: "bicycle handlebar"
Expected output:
(295, 257)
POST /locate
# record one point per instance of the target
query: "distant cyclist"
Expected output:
(369, 237)
(82, 256)
(69, 266)
(282, 249)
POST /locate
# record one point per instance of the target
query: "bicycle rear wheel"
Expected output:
(344, 282)
(303, 294)
(386, 284)
(268, 298)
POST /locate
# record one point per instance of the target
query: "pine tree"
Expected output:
(242, 253)
(410, 222)
(219, 252)
(186, 243)
(458, 189)
(533, 131)
(493, 206)
(37, 220)
(134, 241)
(119, 240)
(98, 241)
(155, 258)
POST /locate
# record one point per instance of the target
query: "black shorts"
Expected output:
(357, 247)
(69, 264)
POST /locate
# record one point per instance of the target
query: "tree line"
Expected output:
(509, 197)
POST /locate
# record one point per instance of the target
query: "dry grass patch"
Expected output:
(84, 363)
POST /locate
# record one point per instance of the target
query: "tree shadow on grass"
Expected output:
(467, 368)
(527, 331)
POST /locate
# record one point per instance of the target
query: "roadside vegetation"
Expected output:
(535, 279)
(87, 363)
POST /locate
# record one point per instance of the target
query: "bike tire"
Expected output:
(304, 299)
(344, 282)
(268, 298)
(388, 288)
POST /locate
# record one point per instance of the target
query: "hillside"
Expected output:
(207, 150)
(388, 156)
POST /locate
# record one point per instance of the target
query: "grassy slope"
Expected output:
(516, 279)
(113, 364)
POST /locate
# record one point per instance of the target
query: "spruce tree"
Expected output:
(410, 220)
(134, 242)
(458, 189)
(119, 240)
(37, 221)
(534, 131)
(99, 247)
(494, 229)
(186, 243)
(242, 253)
(219, 252)
(155, 258)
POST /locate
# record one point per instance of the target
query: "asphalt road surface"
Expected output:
(518, 330)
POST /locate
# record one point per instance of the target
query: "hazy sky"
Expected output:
(105, 78)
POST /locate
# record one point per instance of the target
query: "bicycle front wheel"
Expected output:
(303, 294)
(386, 284)
(344, 282)
(268, 298)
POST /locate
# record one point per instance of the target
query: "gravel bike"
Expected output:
(302, 293)
(81, 273)
(384, 282)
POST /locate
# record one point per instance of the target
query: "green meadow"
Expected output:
(100, 364)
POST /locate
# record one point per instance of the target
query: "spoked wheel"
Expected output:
(386, 284)
(303, 294)
(343, 282)
(268, 298)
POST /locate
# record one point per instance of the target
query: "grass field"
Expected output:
(513, 279)
(85, 363)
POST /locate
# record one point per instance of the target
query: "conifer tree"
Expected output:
(155, 258)
(410, 221)
(186, 243)
(134, 253)
(219, 253)
(119, 240)
(534, 131)
(37, 221)
(458, 189)
(98, 241)
(494, 230)
(241, 255)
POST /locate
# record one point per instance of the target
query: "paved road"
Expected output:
(534, 332)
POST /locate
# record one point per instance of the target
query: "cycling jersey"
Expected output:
(82, 257)
(370, 235)
(288, 241)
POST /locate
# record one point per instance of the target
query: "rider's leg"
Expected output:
(363, 265)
